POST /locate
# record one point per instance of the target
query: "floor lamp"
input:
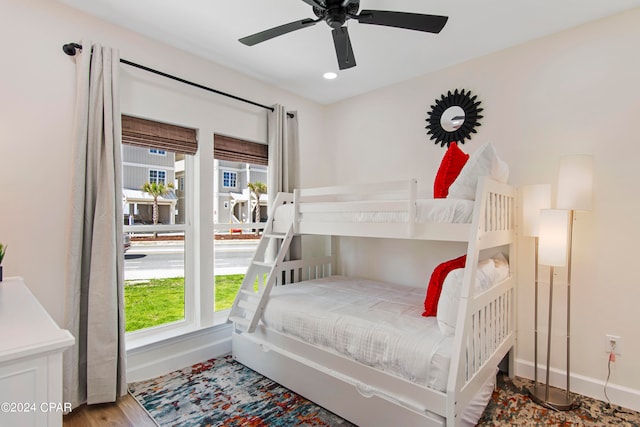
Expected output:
(534, 199)
(556, 241)
(553, 251)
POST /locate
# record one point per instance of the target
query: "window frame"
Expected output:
(142, 337)
(160, 138)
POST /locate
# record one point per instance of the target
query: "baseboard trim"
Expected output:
(620, 395)
(160, 358)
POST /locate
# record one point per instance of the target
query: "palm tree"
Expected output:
(3, 250)
(155, 190)
(257, 189)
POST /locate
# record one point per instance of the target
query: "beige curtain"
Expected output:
(283, 151)
(95, 367)
(284, 163)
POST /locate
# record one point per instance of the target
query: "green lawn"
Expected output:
(157, 301)
(226, 289)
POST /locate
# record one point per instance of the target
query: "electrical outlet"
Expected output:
(610, 340)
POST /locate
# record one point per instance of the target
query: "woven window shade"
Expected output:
(152, 134)
(238, 150)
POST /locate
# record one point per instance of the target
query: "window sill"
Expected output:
(158, 352)
(162, 334)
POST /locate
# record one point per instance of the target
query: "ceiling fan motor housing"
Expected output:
(336, 17)
(335, 14)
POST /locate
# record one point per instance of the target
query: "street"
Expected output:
(147, 260)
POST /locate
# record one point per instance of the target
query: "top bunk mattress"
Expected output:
(451, 211)
(378, 324)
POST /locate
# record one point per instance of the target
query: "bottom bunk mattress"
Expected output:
(375, 323)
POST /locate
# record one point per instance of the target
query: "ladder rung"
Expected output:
(248, 305)
(276, 235)
(240, 321)
(250, 293)
(264, 264)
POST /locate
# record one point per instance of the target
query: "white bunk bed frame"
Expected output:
(361, 394)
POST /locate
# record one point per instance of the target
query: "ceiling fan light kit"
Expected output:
(337, 12)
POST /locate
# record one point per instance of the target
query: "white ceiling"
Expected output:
(384, 55)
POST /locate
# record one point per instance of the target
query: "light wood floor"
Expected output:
(126, 412)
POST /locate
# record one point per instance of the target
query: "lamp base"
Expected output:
(557, 398)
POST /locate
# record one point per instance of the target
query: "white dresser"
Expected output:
(31, 346)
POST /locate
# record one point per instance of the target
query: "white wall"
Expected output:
(574, 92)
(37, 97)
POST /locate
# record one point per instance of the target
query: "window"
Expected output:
(168, 290)
(237, 163)
(229, 179)
(158, 283)
(157, 176)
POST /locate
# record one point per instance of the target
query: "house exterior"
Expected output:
(142, 165)
(232, 202)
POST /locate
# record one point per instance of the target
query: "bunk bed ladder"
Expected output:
(261, 275)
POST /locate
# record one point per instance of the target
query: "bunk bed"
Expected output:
(279, 313)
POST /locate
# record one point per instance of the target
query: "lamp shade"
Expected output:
(554, 237)
(534, 198)
(575, 182)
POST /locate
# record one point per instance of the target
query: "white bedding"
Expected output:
(378, 324)
(427, 210)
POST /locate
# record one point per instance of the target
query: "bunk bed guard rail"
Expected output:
(394, 196)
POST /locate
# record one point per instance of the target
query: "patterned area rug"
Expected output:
(222, 392)
(511, 405)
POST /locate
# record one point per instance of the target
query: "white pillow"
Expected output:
(483, 162)
(448, 302)
(490, 271)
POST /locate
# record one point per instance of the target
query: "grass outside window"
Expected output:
(155, 302)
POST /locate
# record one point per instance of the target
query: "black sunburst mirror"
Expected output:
(453, 118)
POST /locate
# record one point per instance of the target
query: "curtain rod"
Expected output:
(70, 49)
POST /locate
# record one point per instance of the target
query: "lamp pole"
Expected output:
(569, 249)
(535, 318)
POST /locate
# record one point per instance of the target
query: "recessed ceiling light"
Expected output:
(330, 76)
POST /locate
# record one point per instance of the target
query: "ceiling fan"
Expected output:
(336, 12)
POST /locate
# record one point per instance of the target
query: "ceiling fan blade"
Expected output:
(344, 51)
(409, 21)
(277, 31)
(315, 3)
